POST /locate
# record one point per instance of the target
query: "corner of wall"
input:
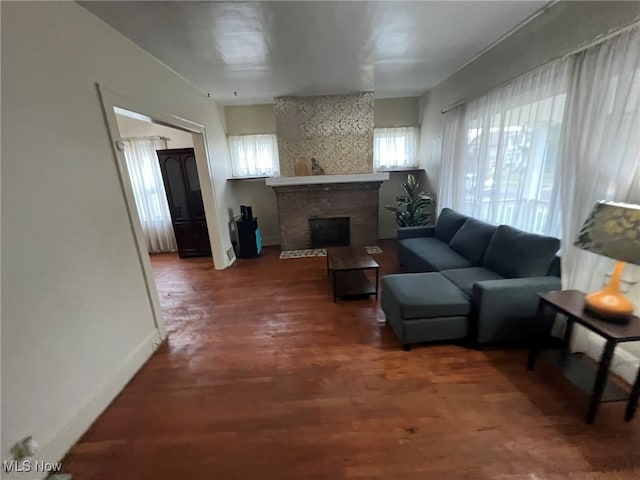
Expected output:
(56, 448)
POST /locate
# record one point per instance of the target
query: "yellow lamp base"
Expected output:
(609, 303)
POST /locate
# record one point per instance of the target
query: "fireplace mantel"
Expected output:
(320, 179)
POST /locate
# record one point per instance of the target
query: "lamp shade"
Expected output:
(612, 230)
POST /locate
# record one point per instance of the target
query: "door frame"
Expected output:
(108, 101)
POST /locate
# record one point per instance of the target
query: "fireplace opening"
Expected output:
(329, 232)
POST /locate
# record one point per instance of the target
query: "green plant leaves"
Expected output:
(408, 210)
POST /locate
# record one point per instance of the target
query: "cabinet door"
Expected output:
(180, 176)
(194, 195)
(192, 239)
(175, 186)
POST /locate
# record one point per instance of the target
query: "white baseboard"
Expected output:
(388, 235)
(270, 241)
(55, 449)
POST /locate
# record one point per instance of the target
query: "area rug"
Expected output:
(321, 252)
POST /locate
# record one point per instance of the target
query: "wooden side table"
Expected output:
(580, 371)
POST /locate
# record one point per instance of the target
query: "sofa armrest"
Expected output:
(506, 309)
(415, 232)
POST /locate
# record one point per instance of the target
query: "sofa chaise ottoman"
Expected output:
(467, 278)
(422, 306)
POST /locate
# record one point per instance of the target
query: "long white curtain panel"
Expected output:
(149, 192)
(538, 152)
(601, 161)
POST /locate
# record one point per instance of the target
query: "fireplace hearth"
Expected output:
(329, 232)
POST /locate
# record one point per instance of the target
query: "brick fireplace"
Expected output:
(302, 198)
(334, 134)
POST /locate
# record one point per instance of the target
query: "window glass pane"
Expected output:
(254, 155)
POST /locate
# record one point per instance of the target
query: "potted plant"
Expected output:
(409, 209)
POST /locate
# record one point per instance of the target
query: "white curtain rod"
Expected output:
(592, 44)
(146, 138)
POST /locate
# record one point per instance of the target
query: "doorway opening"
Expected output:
(164, 177)
(162, 174)
(112, 104)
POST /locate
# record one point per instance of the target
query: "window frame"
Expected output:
(407, 164)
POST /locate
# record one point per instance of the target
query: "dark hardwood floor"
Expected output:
(264, 377)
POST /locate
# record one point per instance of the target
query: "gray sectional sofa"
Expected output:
(467, 278)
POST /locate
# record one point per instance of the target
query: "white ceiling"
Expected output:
(265, 49)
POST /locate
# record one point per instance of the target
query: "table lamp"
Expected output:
(612, 230)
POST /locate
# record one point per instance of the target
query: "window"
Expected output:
(503, 167)
(511, 164)
(395, 148)
(254, 155)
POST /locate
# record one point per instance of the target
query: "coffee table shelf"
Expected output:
(353, 283)
(348, 266)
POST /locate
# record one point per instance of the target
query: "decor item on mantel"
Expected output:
(409, 209)
(612, 230)
(301, 167)
(316, 169)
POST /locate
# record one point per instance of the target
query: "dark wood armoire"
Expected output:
(180, 176)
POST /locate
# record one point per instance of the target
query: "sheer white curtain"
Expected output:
(540, 151)
(395, 147)
(149, 193)
(505, 160)
(254, 155)
(451, 191)
(601, 157)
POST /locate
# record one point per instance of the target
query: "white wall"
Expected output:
(563, 28)
(254, 120)
(132, 127)
(257, 119)
(250, 119)
(262, 199)
(77, 321)
(396, 112)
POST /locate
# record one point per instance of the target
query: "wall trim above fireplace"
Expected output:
(319, 179)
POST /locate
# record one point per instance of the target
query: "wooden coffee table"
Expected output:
(348, 266)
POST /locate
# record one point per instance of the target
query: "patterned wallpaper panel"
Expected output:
(336, 130)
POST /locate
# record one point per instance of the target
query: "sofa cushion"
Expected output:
(423, 295)
(449, 222)
(514, 254)
(429, 255)
(472, 239)
(464, 278)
